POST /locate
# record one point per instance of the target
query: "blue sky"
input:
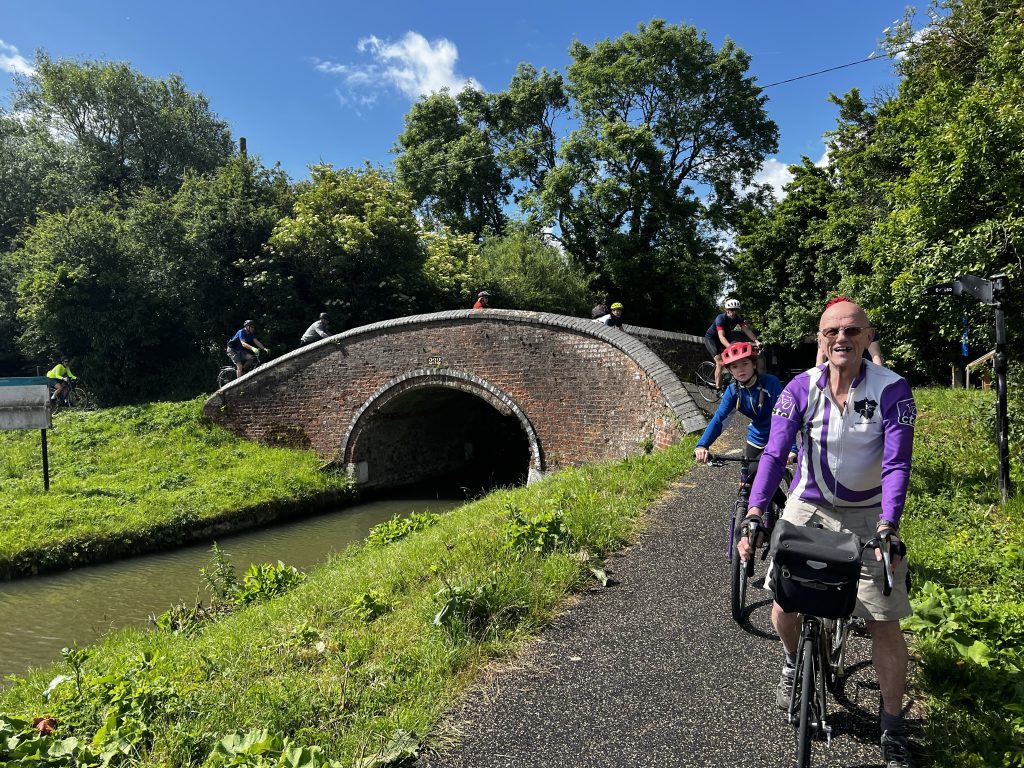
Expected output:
(307, 81)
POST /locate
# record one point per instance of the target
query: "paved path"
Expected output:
(653, 671)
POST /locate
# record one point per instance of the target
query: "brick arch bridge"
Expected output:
(513, 393)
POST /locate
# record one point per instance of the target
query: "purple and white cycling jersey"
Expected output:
(855, 457)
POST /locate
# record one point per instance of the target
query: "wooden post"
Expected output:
(46, 465)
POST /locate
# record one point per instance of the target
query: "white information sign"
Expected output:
(25, 403)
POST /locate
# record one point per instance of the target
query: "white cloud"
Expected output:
(12, 61)
(774, 174)
(413, 65)
(826, 157)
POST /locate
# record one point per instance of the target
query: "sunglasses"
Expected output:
(851, 331)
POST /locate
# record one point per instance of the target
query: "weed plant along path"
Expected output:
(653, 670)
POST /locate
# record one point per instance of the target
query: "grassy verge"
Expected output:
(124, 480)
(360, 658)
(968, 557)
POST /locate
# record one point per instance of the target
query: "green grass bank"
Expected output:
(967, 552)
(141, 478)
(361, 657)
(358, 661)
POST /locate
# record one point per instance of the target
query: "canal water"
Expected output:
(41, 615)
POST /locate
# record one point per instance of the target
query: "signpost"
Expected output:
(992, 292)
(25, 404)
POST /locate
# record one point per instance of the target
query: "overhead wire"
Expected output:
(538, 142)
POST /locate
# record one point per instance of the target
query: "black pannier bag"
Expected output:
(815, 571)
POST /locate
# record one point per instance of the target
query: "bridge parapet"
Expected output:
(417, 396)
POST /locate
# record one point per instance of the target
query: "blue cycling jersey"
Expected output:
(235, 342)
(752, 404)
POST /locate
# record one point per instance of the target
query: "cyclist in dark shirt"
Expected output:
(614, 318)
(719, 335)
(242, 347)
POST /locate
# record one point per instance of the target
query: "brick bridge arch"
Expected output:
(416, 397)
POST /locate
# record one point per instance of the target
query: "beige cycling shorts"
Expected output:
(871, 603)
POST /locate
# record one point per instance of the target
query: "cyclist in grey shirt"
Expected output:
(318, 330)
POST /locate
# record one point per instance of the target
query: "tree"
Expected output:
(450, 270)
(667, 130)
(227, 218)
(957, 209)
(448, 163)
(781, 267)
(132, 131)
(98, 283)
(351, 245)
(525, 271)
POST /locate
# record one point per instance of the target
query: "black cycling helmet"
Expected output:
(482, 294)
(247, 323)
(323, 315)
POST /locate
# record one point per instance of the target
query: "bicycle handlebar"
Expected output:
(717, 460)
(883, 541)
(754, 525)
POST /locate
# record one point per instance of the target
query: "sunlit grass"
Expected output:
(304, 666)
(127, 471)
(971, 549)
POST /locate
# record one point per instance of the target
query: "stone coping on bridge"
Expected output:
(678, 398)
(657, 333)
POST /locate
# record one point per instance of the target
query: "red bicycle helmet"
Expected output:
(737, 351)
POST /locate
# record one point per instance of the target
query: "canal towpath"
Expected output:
(652, 670)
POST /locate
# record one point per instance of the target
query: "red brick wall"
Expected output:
(581, 391)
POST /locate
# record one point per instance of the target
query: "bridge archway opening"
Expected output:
(443, 436)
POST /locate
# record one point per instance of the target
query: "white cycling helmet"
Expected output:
(732, 304)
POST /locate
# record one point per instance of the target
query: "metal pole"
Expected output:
(999, 364)
(46, 465)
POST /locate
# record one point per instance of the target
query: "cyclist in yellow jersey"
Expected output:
(60, 376)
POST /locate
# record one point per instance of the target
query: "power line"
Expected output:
(538, 142)
(872, 57)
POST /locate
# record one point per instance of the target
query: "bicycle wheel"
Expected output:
(806, 684)
(81, 400)
(834, 652)
(704, 378)
(739, 572)
(227, 374)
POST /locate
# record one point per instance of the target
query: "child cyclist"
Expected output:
(753, 394)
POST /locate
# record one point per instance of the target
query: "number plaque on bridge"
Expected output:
(434, 362)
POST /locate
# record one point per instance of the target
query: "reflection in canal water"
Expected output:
(40, 616)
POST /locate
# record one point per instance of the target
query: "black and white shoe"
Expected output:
(895, 750)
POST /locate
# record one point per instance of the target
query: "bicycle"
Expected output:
(227, 373)
(741, 574)
(73, 396)
(704, 379)
(824, 623)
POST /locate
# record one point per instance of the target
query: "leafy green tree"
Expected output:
(227, 218)
(524, 271)
(960, 113)
(450, 270)
(448, 162)
(132, 131)
(100, 284)
(667, 129)
(778, 268)
(351, 245)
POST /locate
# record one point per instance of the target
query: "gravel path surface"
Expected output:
(652, 671)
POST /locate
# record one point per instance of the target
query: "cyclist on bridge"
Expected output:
(753, 394)
(719, 335)
(242, 347)
(857, 420)
(320, 329)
